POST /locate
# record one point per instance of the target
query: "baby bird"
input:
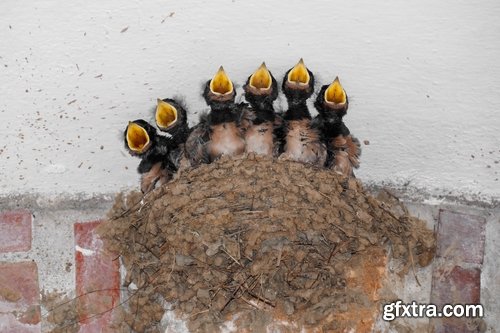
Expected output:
(302, 141)
(259, 123)
(218, 132)
(344, 149)
(171, 118)
(142, 140)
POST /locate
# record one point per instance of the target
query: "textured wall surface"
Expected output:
(423, 80)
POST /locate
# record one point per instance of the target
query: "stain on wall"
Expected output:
(422, 78)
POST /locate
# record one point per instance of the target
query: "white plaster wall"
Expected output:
(423, 79)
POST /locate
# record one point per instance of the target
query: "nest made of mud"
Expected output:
(256, 237)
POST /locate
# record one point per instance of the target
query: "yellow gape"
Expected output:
(335, 94)
(220, 83)
(166, 114)
(299, 74)
(137, 138)
(261, 79)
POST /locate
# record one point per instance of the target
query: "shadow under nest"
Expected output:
(256, 239)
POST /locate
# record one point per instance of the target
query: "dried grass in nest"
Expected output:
(253, 234)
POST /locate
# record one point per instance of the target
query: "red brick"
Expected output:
(457, 279)
(461, 237)
(15, 231)
(458, 286)
(19, 298)
(97, 279)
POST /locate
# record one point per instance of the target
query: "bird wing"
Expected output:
(144, 166)
(156, 175)
(342, 164)
(197, 141)
(279, 134)
(349, 143)
(246, 117)
(353, 149)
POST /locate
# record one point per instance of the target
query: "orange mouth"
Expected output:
(137, 138)
(166, 114)
(220, 83)
(335, 93)
(299, 74)
(261, 79)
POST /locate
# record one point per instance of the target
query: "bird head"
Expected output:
(139, 137)
(169, 115)
(298, 83)
(332, 101)
(166, 114)
(261, 88)
(219, 91)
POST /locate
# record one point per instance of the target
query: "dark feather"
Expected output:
(343, 148)
(196, 143)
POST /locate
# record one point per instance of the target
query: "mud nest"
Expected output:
(254, 239)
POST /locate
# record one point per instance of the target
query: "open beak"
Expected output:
(299, 74)
(220, 83)
(166, 114)
(261, 79)
(335, 93)
(137, 138)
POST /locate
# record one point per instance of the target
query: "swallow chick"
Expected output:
(259, 121)
(141, 140)
(344, 149)
(218, 132)
(302, 141)
(171, 118)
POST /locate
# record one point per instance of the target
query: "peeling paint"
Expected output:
(85, 252)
